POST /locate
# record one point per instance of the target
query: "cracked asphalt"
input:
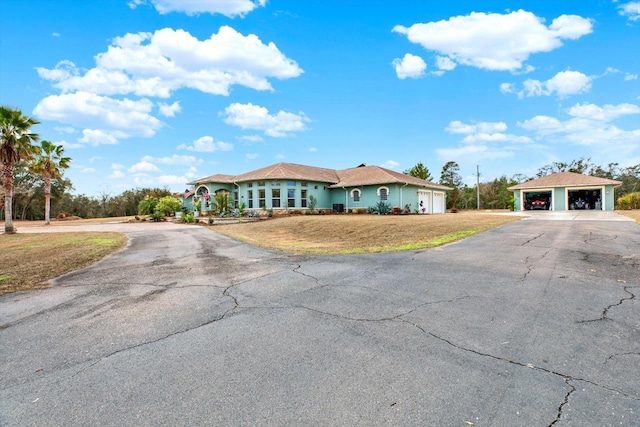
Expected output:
(536, 323)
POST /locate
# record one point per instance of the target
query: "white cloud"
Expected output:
(630, 10)
(249, 116)
(507, 88)
(156, 64)
(445, 63)
(206, 144)
(117, 166)
(477, 140)
(143, 166)
(457, 126)
(55, 34)
(169, 110)
(105, 119)
(280, 156)
(409, 66)
(251, 156)
(563, 84)
(495, 41)
(250, 138)
(629, 77)
(313, 150)
(65, 129)
(589, 124)
(606, 113)
(227, 8)
(173, 160)
(70, 145)
(171, 180)
(97, 137)
(88, 170)
(390, 164)
(116, 174)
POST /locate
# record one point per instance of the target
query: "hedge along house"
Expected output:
(565, 191)
(290, 186)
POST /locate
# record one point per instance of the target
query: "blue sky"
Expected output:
(155, 93)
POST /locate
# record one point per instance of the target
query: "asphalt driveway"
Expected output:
(535, 323)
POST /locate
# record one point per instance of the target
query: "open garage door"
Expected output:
(537, 200)
(585, 199)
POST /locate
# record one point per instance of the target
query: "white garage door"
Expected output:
(424, 202)
(438, 203)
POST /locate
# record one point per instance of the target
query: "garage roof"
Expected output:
(565, 179)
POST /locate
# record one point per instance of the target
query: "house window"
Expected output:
(235, 199)
(303, 198)
(260, 183)
(304, 184)
(275, 183)
(275, 198)
(262, 200)
(250, 197)
(249, 184)
(291, 197)
(291, 183)
(383, 192)
(356, 195)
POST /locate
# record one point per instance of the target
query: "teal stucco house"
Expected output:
(565, 191)
(290, 186)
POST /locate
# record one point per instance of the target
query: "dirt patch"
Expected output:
(633, 214)
(29, 261)
(336, 234)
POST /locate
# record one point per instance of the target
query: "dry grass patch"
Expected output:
(634, 214)
(346, 234)
(30, 260)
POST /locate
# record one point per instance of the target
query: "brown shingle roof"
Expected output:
(290, 171)
(564, 179)
(213, 178)
(374, 175)
(353, 177)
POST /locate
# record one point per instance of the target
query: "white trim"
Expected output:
(380, 188)
(582, 188)
(539, 190)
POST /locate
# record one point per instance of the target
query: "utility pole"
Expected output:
(478, 185)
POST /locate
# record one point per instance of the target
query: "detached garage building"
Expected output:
(565, 191)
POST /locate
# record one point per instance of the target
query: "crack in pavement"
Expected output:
(382, 319)
(532, 239)
(630, 353)
(514, 362)
(603, 316)
(564, 402)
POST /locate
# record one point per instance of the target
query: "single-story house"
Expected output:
(290, 186)
(565, 191)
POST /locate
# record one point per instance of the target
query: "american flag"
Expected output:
(188, 193)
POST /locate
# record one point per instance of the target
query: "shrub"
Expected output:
(210, 221)
(312, 203)
(168, 205)
(189, 218)
(382, 208)
(147, 205)
(629, 201)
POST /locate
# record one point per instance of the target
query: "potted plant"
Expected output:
(196, 207)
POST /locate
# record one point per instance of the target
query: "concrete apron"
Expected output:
(575, 215)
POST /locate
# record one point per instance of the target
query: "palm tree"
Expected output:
(49, 162)
(16, 143)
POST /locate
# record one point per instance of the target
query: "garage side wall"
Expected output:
(609, 199)
(559, 199)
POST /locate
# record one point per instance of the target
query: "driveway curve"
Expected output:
(535, 323)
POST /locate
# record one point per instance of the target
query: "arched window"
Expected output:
(383, 193)
(356, 195)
